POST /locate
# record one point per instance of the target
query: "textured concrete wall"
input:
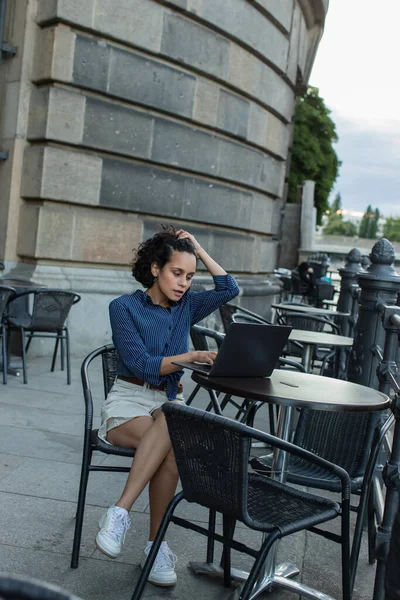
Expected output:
(173, 111)
(133, 112)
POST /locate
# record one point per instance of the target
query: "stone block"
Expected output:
(248, 166)
(184, 146)
(117, 128)
(132, 21)
(291, 69)
(73, 11)
(268, 131)
(56, 114)
(233, 114)
(248, 73)
(281, 10)
(141, 188)
(9, 109)
(195, 45)
(91, 63)
(244, 22)
(58, 174)
(218, 204)
(75, 233)
(101, 236)
(268, 255)
(236, 251)
(53, 54)
(152, 83)
(265, 214)
(206, 102)
(46, 231)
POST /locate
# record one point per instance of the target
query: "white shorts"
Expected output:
(125, 401)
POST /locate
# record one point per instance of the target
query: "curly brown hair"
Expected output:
(158, 249)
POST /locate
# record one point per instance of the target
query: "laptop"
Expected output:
(248, 350)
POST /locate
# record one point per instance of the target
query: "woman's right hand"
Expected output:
(204, 356)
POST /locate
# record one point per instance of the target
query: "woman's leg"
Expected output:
(162, 489)
(151, 439)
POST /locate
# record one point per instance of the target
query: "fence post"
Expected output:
(349, 274)
(379, 284)
(387, 373)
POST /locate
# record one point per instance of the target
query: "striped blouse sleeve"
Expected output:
(204, 303)
(131, 347)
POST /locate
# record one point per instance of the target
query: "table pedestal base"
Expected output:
(279, 579)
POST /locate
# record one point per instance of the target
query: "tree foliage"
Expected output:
(336, 225)
(313, 154)
(369, 223)
(391, 229)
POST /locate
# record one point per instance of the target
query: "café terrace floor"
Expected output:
(41, 427)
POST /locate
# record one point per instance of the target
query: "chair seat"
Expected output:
(301, 473)
(20, 321)
(274, 505)
(98, 444)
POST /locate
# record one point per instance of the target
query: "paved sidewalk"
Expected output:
(41, 428)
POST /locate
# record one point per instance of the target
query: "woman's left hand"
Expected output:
(182, 234)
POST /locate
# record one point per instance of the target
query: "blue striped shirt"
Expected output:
(144, 333)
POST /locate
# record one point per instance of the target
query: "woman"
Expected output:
(151, 331)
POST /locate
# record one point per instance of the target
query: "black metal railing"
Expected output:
(387, 372)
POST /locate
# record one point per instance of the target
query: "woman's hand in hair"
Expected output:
(182, 234)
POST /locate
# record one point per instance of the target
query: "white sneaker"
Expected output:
(163, 571)
(113, 527)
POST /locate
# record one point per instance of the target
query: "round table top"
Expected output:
(291, 388)
(312, 310)
(320, 337)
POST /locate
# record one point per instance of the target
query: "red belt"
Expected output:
(161, 386)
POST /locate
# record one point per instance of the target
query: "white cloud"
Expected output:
(356, 73)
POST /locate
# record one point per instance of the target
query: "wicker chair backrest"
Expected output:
(6, 293)
(109, 359)
(50, 309)
(342, 438)
(212, 462)
(226, 312)
(199, 340)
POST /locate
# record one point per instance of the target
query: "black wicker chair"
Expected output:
(227, 311)
(212, 454)
(350, 440)
(7, 293)
(14, 587)
(50, 310)
(92, 442)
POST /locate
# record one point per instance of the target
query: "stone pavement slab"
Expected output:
(41, 431)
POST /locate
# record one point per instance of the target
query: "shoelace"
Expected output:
(119, 525)
(165, 559)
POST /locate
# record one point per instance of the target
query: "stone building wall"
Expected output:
(123, 114)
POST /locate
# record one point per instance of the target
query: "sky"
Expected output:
(357, 73)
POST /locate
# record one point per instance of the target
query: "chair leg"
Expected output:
(371, 526)
(193, 394)
(68, 356)
(141, 583)
(24, 370)
(62, 351)
(345, 535)
(245, 592)
(210, 540)
(228, 527)
(4, 352)
(29, 342)
(80, 508)
(53, 362)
